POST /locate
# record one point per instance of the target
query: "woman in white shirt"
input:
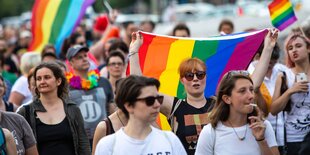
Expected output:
(236, 126)
(139, 100)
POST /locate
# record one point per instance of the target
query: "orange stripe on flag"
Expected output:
(157, 56)
(275, 6)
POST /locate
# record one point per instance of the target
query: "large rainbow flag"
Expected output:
(160, 57)
(54, 20)
(282, 14)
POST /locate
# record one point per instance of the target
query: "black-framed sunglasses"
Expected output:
(150, 100)
(237, 72)
(189, 76)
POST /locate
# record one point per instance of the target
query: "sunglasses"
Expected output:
(237, 72)
(150, 100)
(189, 76)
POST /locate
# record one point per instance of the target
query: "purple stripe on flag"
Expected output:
(86, 4)
(287, 23)
(243, 59)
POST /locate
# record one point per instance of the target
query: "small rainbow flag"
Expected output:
(160, 57)
(282, 14)
(54, 20)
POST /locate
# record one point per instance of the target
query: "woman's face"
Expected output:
(242, 96)
(196, 86)
(2, 88)
(116, 66)
(298, 51)
(143, 112)
(46, 81)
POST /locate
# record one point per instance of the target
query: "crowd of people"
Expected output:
(81, 102)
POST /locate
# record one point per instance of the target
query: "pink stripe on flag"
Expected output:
(251, 44)
(287, 23)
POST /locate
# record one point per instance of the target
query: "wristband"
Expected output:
(132, 53)
(259, 140)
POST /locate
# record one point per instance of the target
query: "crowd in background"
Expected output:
(69, 103)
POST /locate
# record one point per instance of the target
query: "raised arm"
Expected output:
(136, 42)
(262, 65)
(279, 100)
(135, 69)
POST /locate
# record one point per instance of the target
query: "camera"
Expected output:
(301, 77)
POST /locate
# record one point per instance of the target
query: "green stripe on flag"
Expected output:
(59, 20)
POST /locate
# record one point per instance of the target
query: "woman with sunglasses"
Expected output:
(139, 100)
(189, 115)
(295, 101)
(236, 125)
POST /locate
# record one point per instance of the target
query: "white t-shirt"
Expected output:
(298, 119)
(157, 142)
(21, 86)
(224, 141)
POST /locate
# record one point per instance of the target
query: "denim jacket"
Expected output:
(76, 122)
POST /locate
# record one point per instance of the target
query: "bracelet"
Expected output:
(259, 140)
(132, 53)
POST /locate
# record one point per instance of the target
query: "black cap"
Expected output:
(72, 51)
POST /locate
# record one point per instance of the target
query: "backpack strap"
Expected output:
(108, 125)
(171, 117)
(2, 142)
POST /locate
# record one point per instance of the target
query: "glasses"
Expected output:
(150, 100)
(189, 76)
(237, 72)
(116, 64)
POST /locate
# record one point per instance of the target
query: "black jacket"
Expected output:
(76, 122)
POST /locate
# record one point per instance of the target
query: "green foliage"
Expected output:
(14, 7)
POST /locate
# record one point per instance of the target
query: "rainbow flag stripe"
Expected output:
(282, 14)
(160, 57)
(54, 20)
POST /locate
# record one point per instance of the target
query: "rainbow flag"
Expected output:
(54, 20)
(282, 14)
(160, 57)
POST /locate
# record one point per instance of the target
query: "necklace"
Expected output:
(240, 138)
(119, 118)
(79, 83)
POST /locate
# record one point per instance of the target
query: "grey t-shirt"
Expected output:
(93, 104)
(20, 129)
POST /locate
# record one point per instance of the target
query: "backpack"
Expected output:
(2, 143)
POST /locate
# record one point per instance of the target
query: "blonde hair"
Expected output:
(28, 61)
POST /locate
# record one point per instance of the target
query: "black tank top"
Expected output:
(54, 139)
(190, 121)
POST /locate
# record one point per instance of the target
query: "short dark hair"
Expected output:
(181, 26)
(127, 23)
(149, 22)
(62, 91)
(115, 54)
(130, 88)
(119, 45)
(226, 22)
(48, 54)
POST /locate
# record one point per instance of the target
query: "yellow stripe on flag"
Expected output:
(47, 23)
(281, 10)
(175, 57)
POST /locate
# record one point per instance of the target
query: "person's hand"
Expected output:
(299, 87)
(271, 38)
(136, 42)
(257, 125)
(113, 15)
